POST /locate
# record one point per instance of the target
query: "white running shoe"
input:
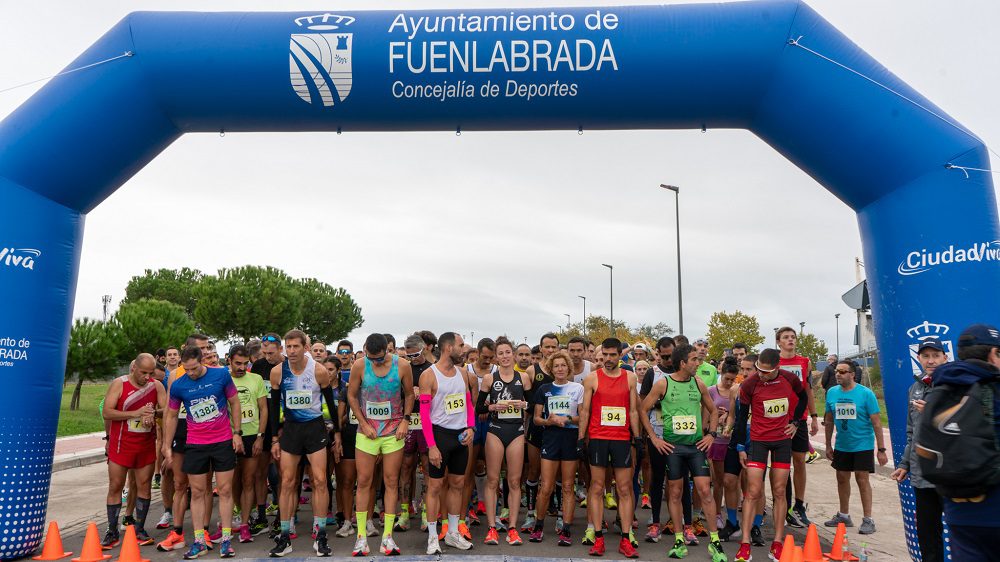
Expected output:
(456, 540)
(361, 547)
(166, 520)
(370, 529)
(389, 547)
(346, 529)
(433, 546)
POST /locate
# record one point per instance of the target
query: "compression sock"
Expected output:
(199, 536)
(227, 533)
(286, 527)
(113, 511)
(713, 536)
(453, 523)
(432, 528)
(141, 510)
(731, 515)
(757, 520)
(387, 520)
(532, 488)
(362, 517)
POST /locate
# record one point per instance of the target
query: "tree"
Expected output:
(810, 346)
(725, 329)
(328, 314)
(148, 324)
(599, 328)
(93, 353)
(171, 285)
(245, 302)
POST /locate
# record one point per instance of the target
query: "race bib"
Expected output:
(776, 408)
(378, 411)
(248, 415)
(415, 421)
(559, 405)
(684, 425)
(135, 426)
(351, 418)
(613, 416)
(454, 404)
(511, 412)
(846, 411)
(298, 399)
(204, 411)
(182, 414)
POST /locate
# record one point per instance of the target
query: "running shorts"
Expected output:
(717, 452)
(506, 432)
(534, 435)
(180, 436)
(732, 462)
(800, 441)
(858, 461)
(248, 441)
(415, 443)
(348, 440)
(218, 457)
(378, 446)
(303, 438)
(779, 451)
(559, 444)
(686, 459)
(482, 428)
(454, 455)
(131, 457)
(609, 453)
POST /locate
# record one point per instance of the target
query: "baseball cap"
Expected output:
(639, 346)
(930, 343)
(979, 334)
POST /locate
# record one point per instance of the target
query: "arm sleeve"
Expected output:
(275, 412)
(740, 429)
(425, 420)
(469, 413)
(800, 407)
(332, 406)
(481, 404)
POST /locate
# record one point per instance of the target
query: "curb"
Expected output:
(78, 459)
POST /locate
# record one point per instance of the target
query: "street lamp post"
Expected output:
(837, 317)
(611, 288)
(567, 320)
(584, 314)
(680, 298)
(802, 328)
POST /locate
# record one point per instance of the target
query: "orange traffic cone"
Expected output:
(91, 551)
(838, 552)
(811, 552)
(797, 557)
(53, 548)
(130, 547)
(788, 549)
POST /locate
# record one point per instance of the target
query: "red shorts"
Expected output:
(415, 443)
(132, 455)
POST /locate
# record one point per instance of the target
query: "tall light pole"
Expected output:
(611, 269)
(105, 301)
(837, 317)
(584, 314)
(567, 320)
(680, 298)
(802, 328)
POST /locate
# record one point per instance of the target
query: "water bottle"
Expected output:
(863, 555)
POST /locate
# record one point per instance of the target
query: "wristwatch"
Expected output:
(239, 432)
(714, 434)
(260, 435)
(881, 449)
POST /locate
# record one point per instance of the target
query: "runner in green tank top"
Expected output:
(681, 411)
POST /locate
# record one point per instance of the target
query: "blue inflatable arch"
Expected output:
(929, 229)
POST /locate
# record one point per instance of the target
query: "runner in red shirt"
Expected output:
(786, 339)
(131, 405)
(610, 395)
(768, 396)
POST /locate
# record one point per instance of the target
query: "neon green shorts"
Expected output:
(380, 445)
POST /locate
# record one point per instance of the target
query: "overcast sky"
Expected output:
(520, 271)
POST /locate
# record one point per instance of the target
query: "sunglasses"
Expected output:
(270, 339)
(343, 352)
(375, 359)
(412, 355)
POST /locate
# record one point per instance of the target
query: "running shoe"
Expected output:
(609, 501)
(588, 537)
(800, 514)
(632, 540)
(402, 522)
(492, 536)
(775, 552)
(756, 537)
(564, 537)
(275, 529)
(472, 517)
(216, 537)
(126, 521)
(444, 530)
(501, 526)
(166, 520)
(583, 503)
(559, 523)
(196, 551)
(689, 536)
(306, 485)
(370, 529)
(537, 534)
(143, 538)
(456, 540)
(271, 509)
(812, 457)
(315, 531)
(361, 547)
(716, 552)
(838, 519)
(699, 527)
(322, 546)
(226, 549)
(282, 546)
(728, 530)
(680, 550)
(653, 532)
(389, 547)
(423, 518)
(668, 527)
(644, 503)
(867, 526)
(505, 516)
(744, 553)
(111, 539)
(514, 539)
(156, 482)
(345, 530)
(245, 534)
(174, 541)
(463, 530)
(626, 549)
(303, 500)
(529, 522)
(598, 548)
(433, 544)
(797, 518)
(481, 508)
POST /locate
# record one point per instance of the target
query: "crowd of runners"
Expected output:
(492, 430)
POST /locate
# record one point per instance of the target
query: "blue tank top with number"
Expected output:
(301, 394)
